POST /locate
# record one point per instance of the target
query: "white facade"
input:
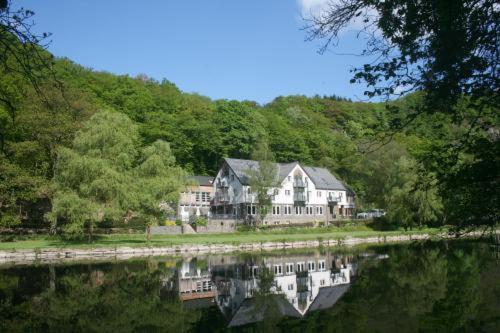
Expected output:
(306, 194)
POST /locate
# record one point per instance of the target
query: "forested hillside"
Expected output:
(332, 132)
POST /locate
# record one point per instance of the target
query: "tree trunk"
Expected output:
(148, 233)
(91, 232)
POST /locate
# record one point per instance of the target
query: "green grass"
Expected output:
(135, 240)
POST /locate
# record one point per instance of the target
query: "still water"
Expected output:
(421, 287)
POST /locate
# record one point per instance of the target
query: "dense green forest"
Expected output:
(96, 148)
(325, 131)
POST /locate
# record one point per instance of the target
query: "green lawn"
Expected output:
(292, 234)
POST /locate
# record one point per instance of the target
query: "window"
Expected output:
(322, 282)
(319, 210)
(253, 210)
(249, 190)
(309, 210)
(255, 271)
(290, 287)
(289, 268)
(318, 194)
(249, 210)
(276, 210)
(205, 196)
(311, 265)
(321, 265)
(276, 192)
(300, 267)
(198, 196)
(288, 210)
(287, 192)
(289, 178)
(278, 269)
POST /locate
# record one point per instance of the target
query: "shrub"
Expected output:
(245, 228)
(169, 223)
(178, 222)
(201, 221)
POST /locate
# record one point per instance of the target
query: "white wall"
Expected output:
(238, 193)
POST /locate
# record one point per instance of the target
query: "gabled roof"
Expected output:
(250, 311)
(240, 168)
(323, 179)
(328, 296)
(203, 180)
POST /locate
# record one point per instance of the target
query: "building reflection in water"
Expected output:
(298, 284)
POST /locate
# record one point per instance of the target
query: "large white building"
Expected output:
(305, 194)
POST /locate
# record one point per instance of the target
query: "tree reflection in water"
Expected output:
(398, 288)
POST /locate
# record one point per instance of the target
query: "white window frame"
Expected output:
(311, 266)
(300, 267)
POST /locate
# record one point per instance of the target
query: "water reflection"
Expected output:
(305, 282)
(399, 288)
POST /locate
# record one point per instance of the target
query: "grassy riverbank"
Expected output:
(133, 240)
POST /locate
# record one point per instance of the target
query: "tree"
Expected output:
(449, 52)
(106, 177)
(412, 201)
(22, 53)
(263, 179)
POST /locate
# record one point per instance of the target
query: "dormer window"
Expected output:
(289, 178)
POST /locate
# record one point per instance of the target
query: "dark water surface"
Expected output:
(421, 287)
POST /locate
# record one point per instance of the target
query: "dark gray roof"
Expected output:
(323, 179)
(240, 168)
(250, 311)
(203, 180)
(328, 296)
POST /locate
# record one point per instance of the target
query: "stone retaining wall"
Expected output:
(68, 254)
(217, 226)
(166, 230)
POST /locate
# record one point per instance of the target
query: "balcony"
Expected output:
(333, 200)
(222, 197)
(298, 183)
(299, 197)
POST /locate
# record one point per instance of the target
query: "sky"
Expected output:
(230, 49)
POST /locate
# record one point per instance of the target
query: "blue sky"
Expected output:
(230, 49)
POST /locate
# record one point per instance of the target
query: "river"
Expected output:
(444, 286)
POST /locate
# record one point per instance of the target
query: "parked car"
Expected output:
(362, 215)
(370, 214)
